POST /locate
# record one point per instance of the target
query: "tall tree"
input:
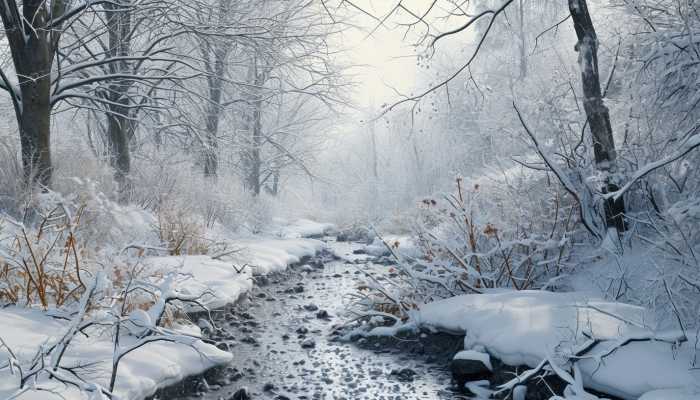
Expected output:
(33, 30)
(597, 113)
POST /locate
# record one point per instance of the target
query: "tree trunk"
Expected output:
(253, 158)
(211, 145)
(523, 51)
(32, 50)
(118, 122)
(256, 144)
(596, 112)
(119, 154)
(34, 116)
(375, 161)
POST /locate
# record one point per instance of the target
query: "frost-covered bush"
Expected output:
(495, 241)
(219, 204)
(510, 232)
(43, 263)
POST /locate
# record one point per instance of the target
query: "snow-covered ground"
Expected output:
(629, 359)
(154, 365)
(141, 373)
(304, 228)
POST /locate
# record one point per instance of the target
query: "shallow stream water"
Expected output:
(284, 345)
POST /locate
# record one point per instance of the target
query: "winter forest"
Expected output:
(349, 199)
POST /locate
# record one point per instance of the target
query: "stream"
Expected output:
(285, 346)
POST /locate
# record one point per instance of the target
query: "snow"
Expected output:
(304, 228)
(159, 364)
(222, 282)
(272, 255)
(140, 373)
(402, 245)
(218, 282)
(527, 327)
(671, 394)
(475, 356)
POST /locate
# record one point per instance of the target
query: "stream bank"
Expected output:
(285, 337)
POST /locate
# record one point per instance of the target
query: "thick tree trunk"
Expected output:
(596, 112)
(118, 123)
(32, 50)
(119, 153)
(34, 118)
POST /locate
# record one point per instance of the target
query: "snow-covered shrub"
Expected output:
(478, 237)
(495, 242)
(181, 231)
(219, 204)
(43, 260)
(43, 264)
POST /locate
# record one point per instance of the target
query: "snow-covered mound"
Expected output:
(223, 281)
(527, 327)
(158, 364)
(218, 282)
(140, 373)
(272, 255)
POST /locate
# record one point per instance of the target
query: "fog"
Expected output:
(283, 199)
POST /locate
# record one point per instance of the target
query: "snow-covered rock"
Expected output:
(470, 365)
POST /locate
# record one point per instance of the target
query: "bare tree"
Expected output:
(291, 64)
(33, 30)
(597, 113)
(60, 54)
(422, 20)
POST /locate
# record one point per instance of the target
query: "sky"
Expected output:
(382, 61)
(386, 60)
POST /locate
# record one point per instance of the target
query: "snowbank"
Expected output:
(272, 255)
(527, 327)
(222, 282)
(159, 364)
(218, 282)
(140, 373)
(304, 228)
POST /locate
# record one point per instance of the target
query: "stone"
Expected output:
(308, 344)
(302, 330)
(465, 370)
(310, 307)
(241, 394)
(249, 340)
(403, 374)
(322, 314)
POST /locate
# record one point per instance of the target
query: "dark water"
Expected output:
(283, 348)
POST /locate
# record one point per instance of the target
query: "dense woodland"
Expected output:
(519, 144)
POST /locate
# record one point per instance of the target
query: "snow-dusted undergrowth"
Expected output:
(94, 293)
